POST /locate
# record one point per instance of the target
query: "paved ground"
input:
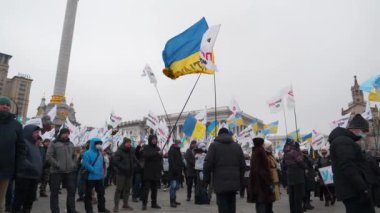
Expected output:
(282, 206)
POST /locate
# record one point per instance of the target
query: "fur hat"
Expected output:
(258, 141)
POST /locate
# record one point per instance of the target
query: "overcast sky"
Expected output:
(263, 45)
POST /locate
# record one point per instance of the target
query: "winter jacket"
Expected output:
(322, 162)
(274, 173)
(33, 163)
(96, 168)
(124, 161)
(12, 147)
(348, 164)
(309, 174)
(295, 166)
(152, 162)
(61, 156)
(190, 163)
(225, 159)
(175, 163)
(260, 188)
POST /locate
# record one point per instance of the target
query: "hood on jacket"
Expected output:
(339, 131)
(93, 141)
(125, 140)
(224, 138)
(28, 131)
(150, 138)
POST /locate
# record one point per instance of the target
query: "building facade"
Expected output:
(139, 129)
(16, 88)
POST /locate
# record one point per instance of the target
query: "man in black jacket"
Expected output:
(152, 171)
(349, 166)
(225, 159)
(124, 162)
(175, 171)
(12, 150)
(190, 169)
(27, 178)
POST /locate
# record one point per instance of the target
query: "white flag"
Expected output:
(207, 45)
(35, 121)
(288, 94)
(368, 113)
(52, 113)
(202, 116)
(275, 104)
(148, 72)
(341, 122)
(234, 107)
(115, 120)
(49, 135)
(152, 121)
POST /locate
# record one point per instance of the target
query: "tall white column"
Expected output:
(65, 49)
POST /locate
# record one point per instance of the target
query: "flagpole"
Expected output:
(295, 118)
(162, 103)
(286, 125)
(216, 114)
(183, 108)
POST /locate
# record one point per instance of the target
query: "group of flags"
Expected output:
(286, 96)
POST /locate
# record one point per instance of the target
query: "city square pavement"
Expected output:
(282, 206)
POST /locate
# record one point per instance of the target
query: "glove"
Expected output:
(364, 197)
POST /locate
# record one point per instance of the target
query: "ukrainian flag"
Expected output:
(273, 127)
(212, 128)
(194, 128)
(307, 138)
(182, 53)
(293, 135)
(255, 125)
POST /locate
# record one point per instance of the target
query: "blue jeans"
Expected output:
(173, 189)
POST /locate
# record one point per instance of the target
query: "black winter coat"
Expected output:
(152, 162)
(12, 147)
(348, 164)
(190, 163)
(175, 163)
(295, 166)
(309, 174)
(124, 161)
(225, 159)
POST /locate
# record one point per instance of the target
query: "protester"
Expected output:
(202, 196)
(309, 179)
(260, 188)
(175, 171)
(349, 166)
(62, 159)
(373, 178)
(152, 171)
(93, 162)
(190, 170)
(81, 182)
(327, 191)
(46, 170)
(12, 150)
(225, 159)
(244, 185)
(124, 161)
(138, 173)
(295, 170)
(273, 165)
(27, 178)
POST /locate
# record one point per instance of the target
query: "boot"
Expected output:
(143, 207)
(155, 206)
(127, 207)
(172, 204)
(308, 206)
(43, 194)
(177, 203)
(327, 203)
(115, 209)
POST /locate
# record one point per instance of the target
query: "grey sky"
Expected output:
(263, 45)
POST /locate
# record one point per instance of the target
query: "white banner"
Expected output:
(275, 104)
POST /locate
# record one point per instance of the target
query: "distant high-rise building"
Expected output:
(17, 88)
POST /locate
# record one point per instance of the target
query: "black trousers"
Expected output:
(100, 191)
(296, 193)
(353, 205)
(152, 185)
(264, 207)
(69, 181)
(190, 182)
(226, 202)
(25, 194)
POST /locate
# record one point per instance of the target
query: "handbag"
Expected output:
(84, 173)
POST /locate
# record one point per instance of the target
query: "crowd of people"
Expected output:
(27, 161)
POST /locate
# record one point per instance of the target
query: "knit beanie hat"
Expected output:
(358, 122)
(5, 100)
(258, 141)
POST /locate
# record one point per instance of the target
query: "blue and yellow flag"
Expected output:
(194, 128)
(182, 53)
(255, 125)
(212, 128)
(293, 135)
(307, 138)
